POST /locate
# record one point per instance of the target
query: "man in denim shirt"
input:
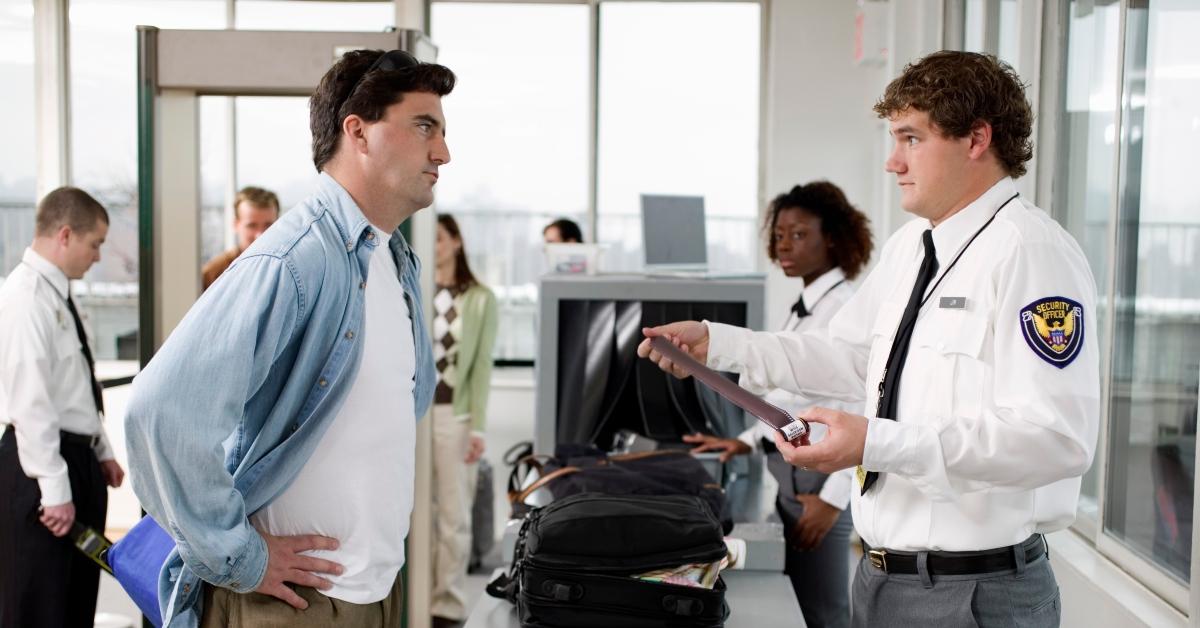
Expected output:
(272, 434)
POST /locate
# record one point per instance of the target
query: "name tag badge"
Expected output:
(953, 303)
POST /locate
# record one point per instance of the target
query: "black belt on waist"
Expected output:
(69, 438)
(958, 563)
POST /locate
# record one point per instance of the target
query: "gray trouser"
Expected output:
(1025, 596)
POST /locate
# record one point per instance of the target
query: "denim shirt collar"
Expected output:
(352, 224)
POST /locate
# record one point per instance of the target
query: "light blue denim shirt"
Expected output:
(237, 398)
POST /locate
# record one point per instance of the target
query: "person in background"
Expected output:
(464, 332)
(562, 231)
(55, 458)
(814, 233)
(254, 210)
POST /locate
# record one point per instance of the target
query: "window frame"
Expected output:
(1054, 45)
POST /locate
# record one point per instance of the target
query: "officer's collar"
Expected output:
(822, 285)
(44, 267)
(950, 235)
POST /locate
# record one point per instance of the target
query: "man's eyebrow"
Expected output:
(903, 129)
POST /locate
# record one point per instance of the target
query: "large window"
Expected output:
(676, 112)
(517, 127)
(18, 159)
(679, 87)
(104, 146)
(1156, 346)
(1085, 200)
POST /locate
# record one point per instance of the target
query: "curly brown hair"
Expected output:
(344, 90)
(959, 90)
(842, 225)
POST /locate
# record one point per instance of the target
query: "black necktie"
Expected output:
(890, 386)
(799, 309)
(87, 354)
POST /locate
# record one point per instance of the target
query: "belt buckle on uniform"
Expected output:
(878, 558)
(95, 440)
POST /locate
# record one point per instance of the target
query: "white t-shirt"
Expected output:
(358, 485)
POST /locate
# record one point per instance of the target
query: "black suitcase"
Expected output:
(575, 560)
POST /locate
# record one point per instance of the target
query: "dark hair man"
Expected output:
(273, 434)
(969, 340)
(55, 459)
(254, 210)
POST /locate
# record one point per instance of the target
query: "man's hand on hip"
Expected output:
(285, 563)
(841, 448)
(691, 336)
(58, 519)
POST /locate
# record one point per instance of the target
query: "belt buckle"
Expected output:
(94, 440)
(878, 558)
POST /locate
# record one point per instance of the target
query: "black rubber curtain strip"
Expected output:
(792, 429)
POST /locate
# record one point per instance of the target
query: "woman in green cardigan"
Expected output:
(464, 331)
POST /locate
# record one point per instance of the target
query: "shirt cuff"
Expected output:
(103, 449)
(723, 341)
(56, 490)
(750, 437)
(250, 568)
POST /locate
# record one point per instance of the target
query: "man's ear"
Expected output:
(981, 139)
(354, 129)
(63, 237)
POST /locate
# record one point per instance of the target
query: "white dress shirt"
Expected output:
(823, 299)
(992, 437)
(45, 385)
(357, 486)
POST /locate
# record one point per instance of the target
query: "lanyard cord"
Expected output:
(964, 250)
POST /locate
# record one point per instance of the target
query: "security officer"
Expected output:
(55, 459)
(971, 340)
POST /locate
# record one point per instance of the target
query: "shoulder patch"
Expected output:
(1053, 327)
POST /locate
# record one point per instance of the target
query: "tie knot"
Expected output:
(799, 308)
(927, 240)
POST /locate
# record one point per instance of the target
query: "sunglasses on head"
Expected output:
(389, 61)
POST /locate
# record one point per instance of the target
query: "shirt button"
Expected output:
(187, 588)
(323, 383)
(370, 235)
(235, 584)
(362, 284)
(349, 335)
(349, 246)
(295, 426)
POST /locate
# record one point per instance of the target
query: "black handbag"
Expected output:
(579, 469)
(575, 559)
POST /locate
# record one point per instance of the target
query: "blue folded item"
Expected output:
(137, 560)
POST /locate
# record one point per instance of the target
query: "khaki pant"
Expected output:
(453, 496)
(223, 607)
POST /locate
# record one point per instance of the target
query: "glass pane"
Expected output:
(1156, 357)
(104, 146)
(1085, 197)
(18, 160)
(277, 15)
(1008, 32)
(679, 88)
(517, 128)
(216, 232)
(973, 27)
